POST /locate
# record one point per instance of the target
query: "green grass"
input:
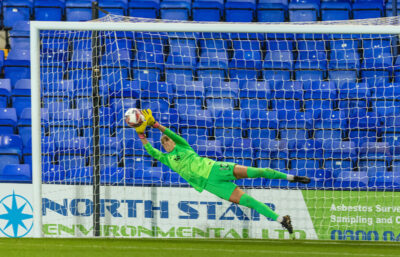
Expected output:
(191, 248)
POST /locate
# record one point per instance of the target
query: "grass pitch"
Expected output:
(192, 248)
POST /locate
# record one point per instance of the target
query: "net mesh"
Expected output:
(317, 105)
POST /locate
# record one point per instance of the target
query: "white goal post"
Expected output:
(373, 26)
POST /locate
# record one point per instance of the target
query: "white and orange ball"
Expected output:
(134, 117)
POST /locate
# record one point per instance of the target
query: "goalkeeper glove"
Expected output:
(141, 129)
(148, 115)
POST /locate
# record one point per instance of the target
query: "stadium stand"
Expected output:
(293, 104)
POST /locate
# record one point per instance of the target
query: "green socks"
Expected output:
(261, 208)
(265, 173)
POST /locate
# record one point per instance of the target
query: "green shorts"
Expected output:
(219, 182)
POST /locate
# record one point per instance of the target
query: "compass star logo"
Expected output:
(16, 216)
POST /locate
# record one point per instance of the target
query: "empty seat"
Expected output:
(16, 173)
(240, 11)
(272, 10)
(144, 8)
(330, 119)
(351, 179)
(10, 150)
(77, 10)
(71, 154)
(116, 7)
(205, 10)
(19, 35)
(17, 65)
(183, 52)
(14, 11)
(246, 54)
(306, 149)
(175, 10)
(365, 9)
(21, 95)
(241, 149)
(336, 10)
(49, 11)
(344, 54)
(304, 10)
(8, 120)
(5, 92)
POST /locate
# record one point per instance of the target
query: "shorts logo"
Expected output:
(16, 216)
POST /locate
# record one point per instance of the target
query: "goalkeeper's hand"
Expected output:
(148, 115)
(141, 129)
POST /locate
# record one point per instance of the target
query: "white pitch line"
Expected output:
(296, 253)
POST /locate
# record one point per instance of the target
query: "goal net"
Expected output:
(310, 99)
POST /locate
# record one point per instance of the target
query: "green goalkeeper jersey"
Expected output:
(185, 161)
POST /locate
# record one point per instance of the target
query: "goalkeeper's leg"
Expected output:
(251, 172)
(231, 192)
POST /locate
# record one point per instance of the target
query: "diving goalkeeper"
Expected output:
(215, 177)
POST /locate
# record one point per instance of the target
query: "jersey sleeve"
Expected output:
(176, 138)
(156, 154)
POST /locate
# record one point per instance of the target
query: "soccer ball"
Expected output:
(134, 117)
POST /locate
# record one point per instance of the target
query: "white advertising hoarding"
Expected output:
(133, 212)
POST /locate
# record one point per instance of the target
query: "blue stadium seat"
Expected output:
(360, 136)
(308, 149)
(138, 162)
(396, 166)
(294, 134)
(330, 119)
(144, 8)
(16, 173)
(119, 7)
(272, 10)
(339, 150)
(285, 106)
(306, 164)
(343, 76)
(21, 95)
(17, 65)
(10, 150)
(279, 60)
(78, 10)
(205, 10)
(8, 120)
(254, 89)
(149, 53)
(19, 35)
(175, 10)
(288, 90)
(71, 154)
(385, 180)
(376, 77)
(113, 175)
(375, 150)
(323, 134)
(336, 10)
(49, 10)
(183, 52)
(295, 120)
(5, 92)
(16, 10)
(377, 54)
(351, 179)
(209, 148)
(270, 149)
(79, 175)
(239, 10)
(304, 10)
(178, 75)
(275, 76)
(241, 148)
(254, 103)
(246, 54)
(344, 54)
(385, 107)
(320, 95)
(366, 9)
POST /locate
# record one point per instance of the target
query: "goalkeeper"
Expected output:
(215, 177)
